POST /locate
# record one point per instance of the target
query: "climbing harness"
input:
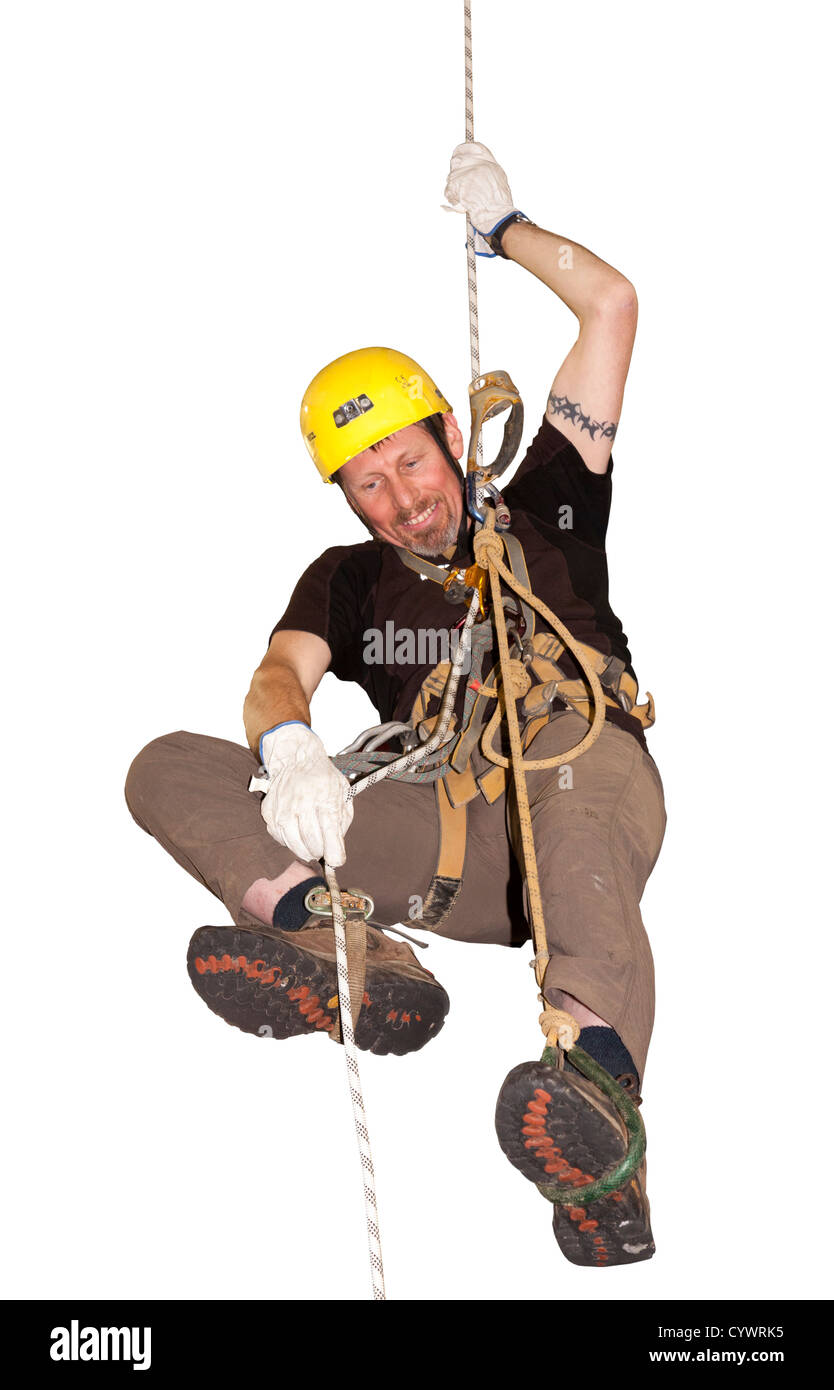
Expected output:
(539, 654)
(434, 750)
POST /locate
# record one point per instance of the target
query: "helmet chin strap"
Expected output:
(462, 542)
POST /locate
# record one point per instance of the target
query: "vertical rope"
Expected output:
(342, 970)
(352, 1062)
(471, 263)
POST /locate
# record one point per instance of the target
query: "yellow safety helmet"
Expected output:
(360, 399)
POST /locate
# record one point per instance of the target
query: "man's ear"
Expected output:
(454, 436)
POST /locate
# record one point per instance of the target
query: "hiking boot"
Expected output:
(558, 1128)
(279, 984)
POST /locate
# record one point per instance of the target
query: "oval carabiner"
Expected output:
(489, 395)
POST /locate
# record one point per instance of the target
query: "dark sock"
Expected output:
(290, 912)
(607, 1048)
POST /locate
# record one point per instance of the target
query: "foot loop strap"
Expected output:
(618, 1176)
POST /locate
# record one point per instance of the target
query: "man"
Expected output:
(445, 852)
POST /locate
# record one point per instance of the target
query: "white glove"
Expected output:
(478, 185)
(306, 806)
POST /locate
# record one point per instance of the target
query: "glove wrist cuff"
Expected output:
(494, 238)
(286, 724)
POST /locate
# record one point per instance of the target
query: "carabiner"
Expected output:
(488, 396)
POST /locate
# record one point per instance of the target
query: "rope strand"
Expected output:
(471, 263)
(342, 964)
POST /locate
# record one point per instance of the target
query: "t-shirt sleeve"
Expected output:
(553, 482)
(330, 600)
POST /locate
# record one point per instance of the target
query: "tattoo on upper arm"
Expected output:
(572, 410)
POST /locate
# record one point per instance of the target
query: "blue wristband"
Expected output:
(272, 731)
(494, 236)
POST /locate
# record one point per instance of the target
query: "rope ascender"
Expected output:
(490, 394)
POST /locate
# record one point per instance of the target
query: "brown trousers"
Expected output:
(596, 844)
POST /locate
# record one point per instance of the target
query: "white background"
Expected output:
(204, 203)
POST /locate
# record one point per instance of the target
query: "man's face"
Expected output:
(406, 491)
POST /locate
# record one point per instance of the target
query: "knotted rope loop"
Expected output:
(560, 1028)
(488, 544)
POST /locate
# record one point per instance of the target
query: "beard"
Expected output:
(439, 535)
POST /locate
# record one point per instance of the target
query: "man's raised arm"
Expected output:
(587, 392)
(586, 397)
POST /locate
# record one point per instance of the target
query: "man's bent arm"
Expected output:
(586, 397)
(284, 683)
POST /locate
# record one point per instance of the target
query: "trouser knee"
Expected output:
(150, 773)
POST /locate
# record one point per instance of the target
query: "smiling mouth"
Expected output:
(421, 518)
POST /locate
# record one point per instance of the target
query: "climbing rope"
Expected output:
(489, 548)
(355, 1087)
(364, 755)
(346, 968)
(471, 263)
(476, 462)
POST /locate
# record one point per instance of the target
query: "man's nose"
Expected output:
(405, 493)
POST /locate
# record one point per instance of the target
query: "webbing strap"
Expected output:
(518, 565)
(448, 876)
(421, 566)
(472, 727)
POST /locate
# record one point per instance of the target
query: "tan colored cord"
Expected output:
(489, 549)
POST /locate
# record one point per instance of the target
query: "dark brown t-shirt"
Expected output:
(387, 627)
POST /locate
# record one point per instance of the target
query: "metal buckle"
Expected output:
(317, 901)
